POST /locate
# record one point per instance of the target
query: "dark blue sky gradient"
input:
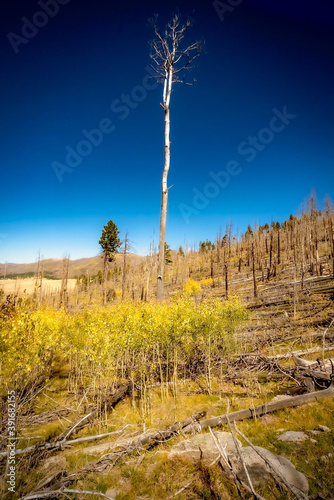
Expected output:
(263, 55)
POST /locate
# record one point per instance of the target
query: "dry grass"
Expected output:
(27, 286)
(152, 475)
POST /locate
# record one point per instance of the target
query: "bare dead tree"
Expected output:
(278, 247)
(271, 249)
(39, 279)
(218, 248)
(125, 249)
(226, 280)
(64, 282)
(229, 233)
(170, 61)
(211, 262)
(254, 275)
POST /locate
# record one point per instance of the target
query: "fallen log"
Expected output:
(269, 304)
(45, 417)
(260, 410)
(118, 396)
(149, 440)
(287, 355)
(306, 372)
(61, 444)
(327, 363)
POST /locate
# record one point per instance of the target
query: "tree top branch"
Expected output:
(167, 54)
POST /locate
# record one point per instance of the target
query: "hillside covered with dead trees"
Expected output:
(224, 390)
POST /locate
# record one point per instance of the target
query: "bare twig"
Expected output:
(65, 435)
(63, 443)
(59, 404)
(286, 374)
(62, 491)
(239, 452)
(181, 490)
(35, 394)
(229, 469)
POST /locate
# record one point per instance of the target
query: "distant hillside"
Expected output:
(52, 268)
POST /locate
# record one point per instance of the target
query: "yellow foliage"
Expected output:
(132, 336)
(207, 282)
(192, 286)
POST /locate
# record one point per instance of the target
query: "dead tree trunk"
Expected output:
(278, 248)
(124, 265)
(226, 281)
(211, 264)
(164, 189)
(257, 411)
(63, 291)
(254, 276)
(166, 55)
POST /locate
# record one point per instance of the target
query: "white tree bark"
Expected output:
(166, 55)
(164, 187)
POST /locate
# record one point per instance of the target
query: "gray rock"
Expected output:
(257, 467)
(292, 436)
(324, 428)
(57, 462)
(112, 492)
(269, 419)
(259, 471)
(191, 448)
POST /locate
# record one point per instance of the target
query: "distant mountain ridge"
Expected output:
(53, 267)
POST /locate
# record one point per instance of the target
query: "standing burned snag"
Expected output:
(170, 61)
(254, 276)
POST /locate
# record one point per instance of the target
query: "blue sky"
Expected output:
(261, 61)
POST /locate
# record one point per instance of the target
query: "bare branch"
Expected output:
(276, 473)
(62, 491)
(166, 52)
